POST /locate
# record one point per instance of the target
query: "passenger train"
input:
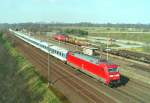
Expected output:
(106, 72)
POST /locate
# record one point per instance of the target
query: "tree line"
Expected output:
(52, 26)
(75, 32)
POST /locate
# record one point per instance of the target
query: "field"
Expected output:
(139, 36)
(133, 34)
(19, 82)
(91, 89)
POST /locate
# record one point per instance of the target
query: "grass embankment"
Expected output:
(19, 82)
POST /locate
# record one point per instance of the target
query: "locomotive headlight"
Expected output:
(111, 75)
(117, 75)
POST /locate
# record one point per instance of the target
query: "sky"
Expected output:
(74, 11)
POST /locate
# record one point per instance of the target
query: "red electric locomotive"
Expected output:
(102, 70)
(61, 37)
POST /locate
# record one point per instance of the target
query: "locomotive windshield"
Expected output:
(113, 70)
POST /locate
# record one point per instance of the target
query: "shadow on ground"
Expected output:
(124, 80)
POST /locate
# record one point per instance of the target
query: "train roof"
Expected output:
(91, 59)
(59, 49)
(33, 39)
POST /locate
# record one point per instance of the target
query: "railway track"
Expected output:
(128, 55)
(140, 69)
(92, 91)
(127, 92)
(76, 86)
(65, 77)
(78, 48)
(142, 57)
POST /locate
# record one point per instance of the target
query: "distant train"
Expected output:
(61, 37)
(106, 72)
(66, 38)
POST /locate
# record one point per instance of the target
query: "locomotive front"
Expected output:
(113, 75)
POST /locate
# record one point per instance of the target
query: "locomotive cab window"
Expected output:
(113, 69)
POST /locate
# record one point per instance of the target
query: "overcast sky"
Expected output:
(72, 11)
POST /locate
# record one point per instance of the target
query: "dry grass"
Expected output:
(19, 82)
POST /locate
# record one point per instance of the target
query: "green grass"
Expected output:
(19, 82)
(134, 34)
(142, 37)
(119, 33)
